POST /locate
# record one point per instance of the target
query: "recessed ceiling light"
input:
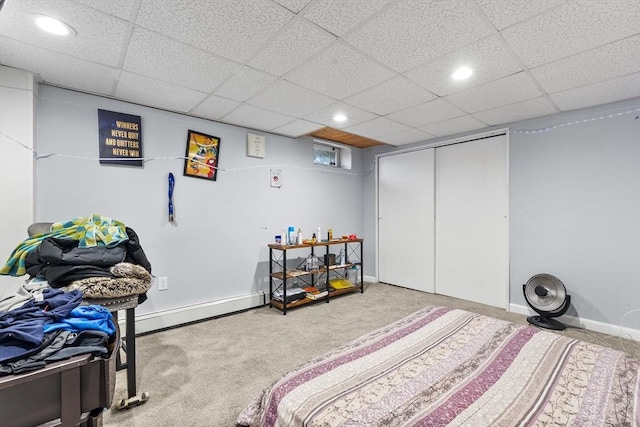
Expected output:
(339, 118)
(462, 73)
(53, 25)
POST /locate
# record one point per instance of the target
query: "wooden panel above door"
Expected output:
(346, 138)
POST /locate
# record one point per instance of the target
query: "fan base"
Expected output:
(546, 322)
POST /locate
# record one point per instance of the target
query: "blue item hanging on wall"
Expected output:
(172, 183)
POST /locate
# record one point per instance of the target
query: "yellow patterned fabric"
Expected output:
(89, 231)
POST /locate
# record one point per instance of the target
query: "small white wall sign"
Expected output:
(256, 145)
(276, 178)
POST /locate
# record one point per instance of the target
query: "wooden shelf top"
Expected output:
(298, 273)
(308, 245)
(333, 293)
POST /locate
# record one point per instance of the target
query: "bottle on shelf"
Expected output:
(352, 275)
(343, 257)
(313, 238)
(319, 234)
(330, 234)
(299, 241)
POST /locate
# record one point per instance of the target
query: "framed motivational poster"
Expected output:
(119, 138)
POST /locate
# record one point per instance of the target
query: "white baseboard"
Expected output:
(592, 325)
(158, 320)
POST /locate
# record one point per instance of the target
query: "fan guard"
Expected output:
(547, 296)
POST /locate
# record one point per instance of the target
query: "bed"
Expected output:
(447, 367)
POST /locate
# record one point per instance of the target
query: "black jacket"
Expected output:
(61, 261)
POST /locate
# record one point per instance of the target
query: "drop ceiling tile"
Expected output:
(215, 107)
(406, 137)
(606, 62)
(504, 13)
(598, 65)
(377, 128)
(245, 83)
(154, 93)
(508, 90)
(153, 55)
(339, 72)
(227, 28)
(354, 115)
(390, 96)
(297, 128)
(340, 17)
(256, 118)
(288, 98)
(93, 29)
(124, 9)
(411, 32)
(599, 93)
(571, 28)
(299, 42)
(429, 112)
(453, 126)
(528, 109)
(489, 58)
(293, 5)
(57, 69)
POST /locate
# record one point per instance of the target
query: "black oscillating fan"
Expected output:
(548, 297)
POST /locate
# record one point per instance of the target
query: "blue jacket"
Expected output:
(22, 329)
(85, 317)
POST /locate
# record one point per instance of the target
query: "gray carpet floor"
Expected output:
(204, 374)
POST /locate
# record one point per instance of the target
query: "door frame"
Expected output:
(458, 140)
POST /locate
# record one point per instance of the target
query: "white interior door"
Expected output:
(471, 183)
(405, 219)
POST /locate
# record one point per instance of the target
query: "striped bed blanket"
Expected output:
(448, 367)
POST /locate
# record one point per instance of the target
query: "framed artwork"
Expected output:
(119, 138)
(201, 158)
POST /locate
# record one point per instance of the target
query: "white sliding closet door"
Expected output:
(471, 221)
(405, 219)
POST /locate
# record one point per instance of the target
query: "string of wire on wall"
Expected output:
(606, 115)
(577, 122)
(39, 156)
(157, 111)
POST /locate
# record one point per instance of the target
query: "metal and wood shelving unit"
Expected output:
(280, 274)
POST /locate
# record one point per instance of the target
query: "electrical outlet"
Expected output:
(163, 283)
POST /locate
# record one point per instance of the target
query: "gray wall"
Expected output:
(18, 92)
(219, 248)
(574, 203)
(370, 207)
(575, 210)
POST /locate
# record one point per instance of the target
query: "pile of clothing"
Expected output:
(97, 255)
(53, 326)
(53, 315)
